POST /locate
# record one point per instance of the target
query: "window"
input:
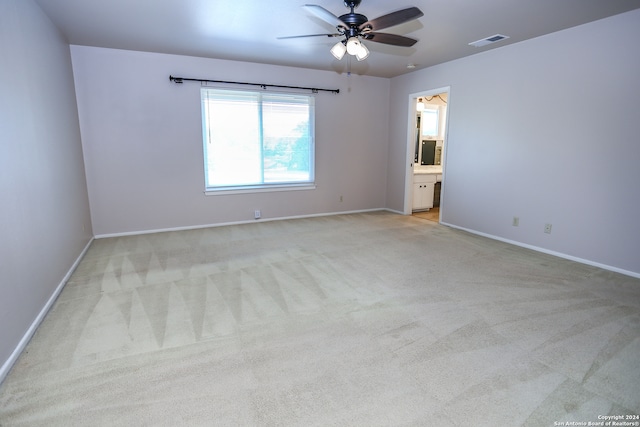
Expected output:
(430, 121)
(257, 140)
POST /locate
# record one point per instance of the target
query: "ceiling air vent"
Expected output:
(488, 40)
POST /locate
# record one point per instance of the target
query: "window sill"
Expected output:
(258, 189)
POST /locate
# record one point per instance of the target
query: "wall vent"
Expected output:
(488, 40)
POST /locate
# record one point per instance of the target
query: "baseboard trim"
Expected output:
(549, 252)
(395, 211)
(8, 364)
(224, 224)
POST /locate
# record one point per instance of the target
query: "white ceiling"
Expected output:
(247, 30)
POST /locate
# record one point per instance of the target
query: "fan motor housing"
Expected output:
(353, 19)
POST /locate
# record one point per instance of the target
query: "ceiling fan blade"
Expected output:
(309, 35)
(393, 18)
(325, 15)
(392, 39)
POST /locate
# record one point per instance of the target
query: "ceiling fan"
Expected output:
(354, 26)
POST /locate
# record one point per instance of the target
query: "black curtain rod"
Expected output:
(262, 85)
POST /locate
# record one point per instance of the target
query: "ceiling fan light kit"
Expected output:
(353, 46)
(355, 26)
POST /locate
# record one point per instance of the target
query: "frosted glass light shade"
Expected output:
(353, 46)
(338, 50)
(362, 53)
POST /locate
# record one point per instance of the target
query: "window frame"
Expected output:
(259, 187)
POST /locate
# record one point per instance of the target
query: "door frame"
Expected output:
(411, 123)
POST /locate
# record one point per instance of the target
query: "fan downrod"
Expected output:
(353, 19)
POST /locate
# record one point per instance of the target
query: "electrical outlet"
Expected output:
(257, 214)
(516, 221)
(340, 198)
(547, 228)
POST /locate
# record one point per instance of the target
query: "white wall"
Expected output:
(142, 137)
(547, 130)
(42, 181)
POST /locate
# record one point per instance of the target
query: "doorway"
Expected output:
(426, 148)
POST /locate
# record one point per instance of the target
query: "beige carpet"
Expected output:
(350, 320)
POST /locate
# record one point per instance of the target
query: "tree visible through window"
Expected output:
(256, 139)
